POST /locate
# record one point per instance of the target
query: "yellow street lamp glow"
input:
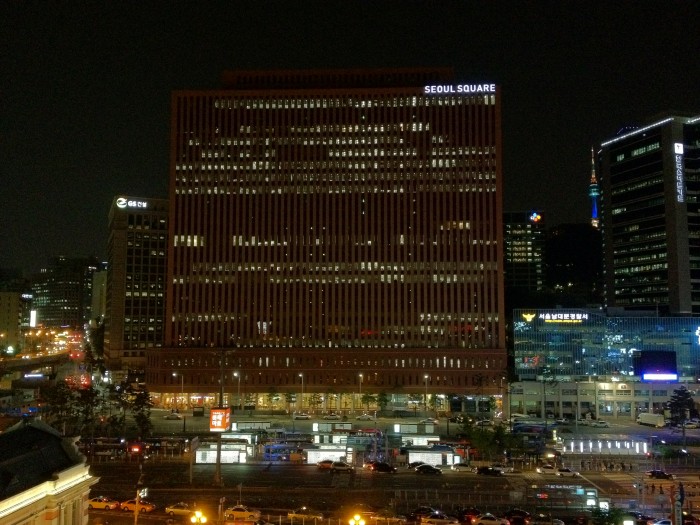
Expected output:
(356, 520)
(198, 517)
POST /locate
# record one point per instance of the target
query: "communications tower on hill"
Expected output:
(593, 193)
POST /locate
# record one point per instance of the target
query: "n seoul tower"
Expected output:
(593, 193)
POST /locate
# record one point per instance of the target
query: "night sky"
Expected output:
(85, 89)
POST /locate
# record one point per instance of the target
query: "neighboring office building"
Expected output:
(14, 310)
(334, 232)
(45, 478)
(524, 241)
(63, 292)
(613, 398)
(650, 210)
(135, 307)
(558, 348)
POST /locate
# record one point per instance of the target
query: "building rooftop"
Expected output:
(31, 453)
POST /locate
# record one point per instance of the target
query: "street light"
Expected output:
(425, 396)
(182, 388)
(301, 403)
(356, 520)
(236, 374)
(360, 375)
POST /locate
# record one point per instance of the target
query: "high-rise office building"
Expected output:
(63, 292)
(650, 188)
(524, 241)
(334, 232)
(136, 260)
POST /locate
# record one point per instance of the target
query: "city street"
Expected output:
(284, 486)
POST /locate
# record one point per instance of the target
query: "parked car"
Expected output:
(364, 417)
(380, 466)
(567, 472)
(427, 469)
(325, 464)
(489, 471)
(583, 422)
(172, 416)
(517, 517)
(562, 421)
(439, 518)
(341, 466)
(103, 502)
(331, 416)
(302, 415)
(142, 506)
(462, 467)
(659, 474)
(419, 512)
(179, 509)
(305, 513)
(489, 519)
(506, 469)
(544, 519)
(546, 469)
(600, 424)
(467, 514)
(691, 424)
(429, 421)
(484, 423)
(639, 518)
(241, 512)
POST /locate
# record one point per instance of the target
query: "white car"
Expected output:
(241, 512)
(331, 416)
(302, 416)
(364, 417)
(462, 467)
(179, 509)
(506, 469)
(305, 513)
(429, 421)
(567, 472)
(438, 518)
(546, 469)
(172, 416)
(341, 466)
(489, 519)
(600, 424)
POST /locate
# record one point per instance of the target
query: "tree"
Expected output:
(272, 397)
(415, 399)
(368, 399)
(681, 405)
(289, 399)
(610, 516)
(141, 405)
(382, 400)
(315, 400)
